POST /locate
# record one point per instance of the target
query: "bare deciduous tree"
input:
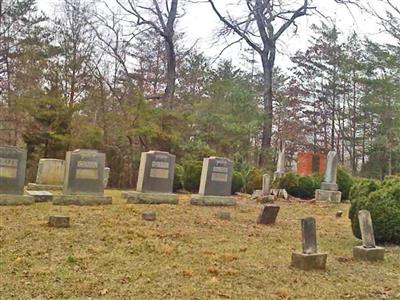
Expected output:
(161, 19)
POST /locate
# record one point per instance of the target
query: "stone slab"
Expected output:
(41, 196)
(309, 235)
(329, 196)
(216, 177)
(223, 215)
(329, 186)
(50, 171)
(268, 214)
(43, 187)
(81, 200)
(212, 200)
(6, 199)
(366, 228)
(315, 261)
(369, 254)
(12, 170)
(150, 198)
(58, 221)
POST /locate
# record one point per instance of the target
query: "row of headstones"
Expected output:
(310, 259)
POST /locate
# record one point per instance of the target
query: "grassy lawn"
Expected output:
(109, 252)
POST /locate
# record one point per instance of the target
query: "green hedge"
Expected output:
(382, 200)
(298, 186)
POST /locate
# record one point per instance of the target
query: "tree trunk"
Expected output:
(171, 72)
(268, 66)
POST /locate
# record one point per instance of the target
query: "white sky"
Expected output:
(200, 25)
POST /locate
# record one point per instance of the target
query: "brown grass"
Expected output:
(109, 252)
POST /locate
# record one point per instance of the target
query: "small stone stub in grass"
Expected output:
(149, 216)
(309, 259)
(268, 214)
(58, 221)
(224, 215)
(339, 214)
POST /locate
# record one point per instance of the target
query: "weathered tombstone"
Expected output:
(309, 259)
(268, 214)
(368, 251)
(266, 185)
(280, 168)
(50, 175)
(106, 177)
(264, 195)
(12, 176)
(215, 183)
(329, 188)
(84, 179)
(155, 180)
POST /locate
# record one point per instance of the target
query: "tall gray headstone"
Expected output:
(367, 231)
(329, 182)
(216, 177)
(156, 172)
(309, 235)
(84, 172)
(280, 168)
(12, 170)
(50, 171)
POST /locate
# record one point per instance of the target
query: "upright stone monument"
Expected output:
(268, 214)
(309, 258)
(12, 176)
(368, 251)
(50, 175)
(329, 188)
(280, 168)
(106, 176)
(84, 179)
(155, 180)
(215, 183)
(264, 195)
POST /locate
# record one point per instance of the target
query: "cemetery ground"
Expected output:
(110, 252)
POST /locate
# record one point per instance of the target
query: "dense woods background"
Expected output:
(119, 78)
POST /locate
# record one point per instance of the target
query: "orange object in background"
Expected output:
(309, 163)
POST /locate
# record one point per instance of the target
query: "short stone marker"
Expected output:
(329, 188)
(309, 259)
(58, 221)
(268, 214)
(224, 215)
(106, 176)
(215, 183)
(149, 216)
(368, 251)
(84, 179)
(12, 176)
(155, 180)
(264, 195)
(41, 196)
(50, 175)
(339, 214)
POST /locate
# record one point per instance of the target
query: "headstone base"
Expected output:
(41, 196)
(369, 254)
(316, 261)
(150, 198)
(6, 199)
(59, 221)
(212, 200)
(43, 187)
(329, 186)
(330, 196)
(81, 200)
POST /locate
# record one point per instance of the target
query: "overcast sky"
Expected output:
(200, 25)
